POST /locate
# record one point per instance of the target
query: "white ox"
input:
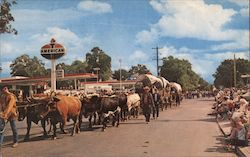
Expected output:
(133, 103)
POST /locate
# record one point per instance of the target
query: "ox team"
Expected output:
(58, 108)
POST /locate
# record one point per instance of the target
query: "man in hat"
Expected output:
(8, 112)
(147, 103)
(157, 101)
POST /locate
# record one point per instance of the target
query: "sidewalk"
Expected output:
(225, 128)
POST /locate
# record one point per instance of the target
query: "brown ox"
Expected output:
(61, 108)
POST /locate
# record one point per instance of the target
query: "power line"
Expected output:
(157, 59)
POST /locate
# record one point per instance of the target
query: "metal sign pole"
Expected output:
(53, 75)
(53, 51)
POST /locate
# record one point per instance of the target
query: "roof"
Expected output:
(111, 82)
(28, 80)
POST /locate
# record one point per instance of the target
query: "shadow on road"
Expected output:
(8, 139)
(131, 123)
(219, 146)
(86, 128)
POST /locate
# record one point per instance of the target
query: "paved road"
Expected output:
(183, 131)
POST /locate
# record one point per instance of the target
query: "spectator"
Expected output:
(8, 112)
(238, 133)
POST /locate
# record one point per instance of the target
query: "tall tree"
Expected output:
(124, 74)
(180, 71)
(78, 67)
(26, 66)
(224, 75)
(138, 69)
(6, 17)
(98, 60)
(75, 68)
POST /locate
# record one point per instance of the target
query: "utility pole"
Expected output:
(157, 59)
(249, 56)
(0, 57)
(120, 83)
(234, 71)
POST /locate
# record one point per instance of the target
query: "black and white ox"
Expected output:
(111, 108)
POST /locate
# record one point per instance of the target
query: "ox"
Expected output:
(122, 98)
(61, 108)
(110, 107)
(90, 107)
(31, 112)
(133, 104)
(175, 93)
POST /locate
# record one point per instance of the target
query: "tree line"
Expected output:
(173, 69)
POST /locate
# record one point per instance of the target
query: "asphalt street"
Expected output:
(184, 131)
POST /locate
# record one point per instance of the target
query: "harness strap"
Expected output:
(29, 105)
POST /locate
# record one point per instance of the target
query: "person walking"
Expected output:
(157, 101)
(147, 103)
(8, 112)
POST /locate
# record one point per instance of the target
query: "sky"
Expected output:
(204, 32)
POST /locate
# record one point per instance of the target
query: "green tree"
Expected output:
(224, 75)
(78, 67)
(124, 74)
(97, 58)
(26, 66)
(138, 69)
(180, 71)
(6, 17)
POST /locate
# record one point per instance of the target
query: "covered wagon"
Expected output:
(148, 80)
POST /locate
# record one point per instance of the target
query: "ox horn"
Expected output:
(28, 99)
(37, 98)
(55, 98)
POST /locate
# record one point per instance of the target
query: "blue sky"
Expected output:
(205, 32)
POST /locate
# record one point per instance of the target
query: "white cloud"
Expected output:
(74, 44)
(32, 16)
(95, 6)
(5, 48)
(227, 55)
(244, 11)
(242, 3)
(6, 67)
(138, 56)
(182, 19)
(146, 36)
(203, 64)
(241, 42)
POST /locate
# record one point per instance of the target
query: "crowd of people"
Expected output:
(232, 105)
